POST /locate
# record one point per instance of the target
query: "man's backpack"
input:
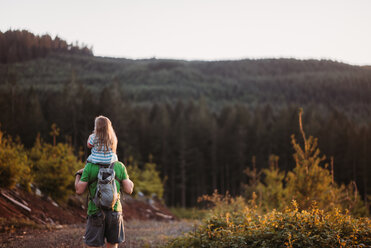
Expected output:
(106, 194)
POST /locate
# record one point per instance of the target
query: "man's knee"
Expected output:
(109, 245)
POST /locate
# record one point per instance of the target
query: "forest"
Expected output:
(22, 45)
(204, 123)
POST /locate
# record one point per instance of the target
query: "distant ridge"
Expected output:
(22, 45)
(278, 82)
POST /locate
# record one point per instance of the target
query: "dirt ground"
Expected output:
(138, 233)
(28, 219)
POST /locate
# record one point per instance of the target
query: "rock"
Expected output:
(38, 192)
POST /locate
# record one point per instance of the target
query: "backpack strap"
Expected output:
(89, 197)
(111, 166)
(101, 166)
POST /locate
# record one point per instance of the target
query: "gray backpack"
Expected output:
(106, 194)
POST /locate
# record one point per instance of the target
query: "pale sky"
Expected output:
(203, 29)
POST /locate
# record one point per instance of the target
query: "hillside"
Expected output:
(32, 209)
(279, 82)
(201, 120)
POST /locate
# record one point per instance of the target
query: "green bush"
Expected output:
(54, 167)
(14, 164)
(289, 228)
(146, 180)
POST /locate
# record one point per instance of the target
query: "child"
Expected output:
(103, 142)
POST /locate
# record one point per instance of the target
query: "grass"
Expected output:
(13, 224)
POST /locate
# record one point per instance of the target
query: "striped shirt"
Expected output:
(102, 156)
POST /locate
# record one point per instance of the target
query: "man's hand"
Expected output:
(127, 186)
(80, 186)
(79, 172)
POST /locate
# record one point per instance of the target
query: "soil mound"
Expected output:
(18, 204)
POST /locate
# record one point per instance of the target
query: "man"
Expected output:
(103, 223)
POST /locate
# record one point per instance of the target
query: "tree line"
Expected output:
(278, 82)
(22, 45)
(196, 149)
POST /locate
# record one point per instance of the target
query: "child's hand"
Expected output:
(88, 144)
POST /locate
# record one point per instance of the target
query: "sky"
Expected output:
(339, 30)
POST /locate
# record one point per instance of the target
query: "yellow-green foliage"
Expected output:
(271, 191)
(54, 167)
(147, 180)
(14, 165)
(309, 181)
(289, 228)
(219, 204)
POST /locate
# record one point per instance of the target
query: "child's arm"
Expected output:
(90, 142)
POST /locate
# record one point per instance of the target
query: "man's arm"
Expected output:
(127, 186)
(79, 185)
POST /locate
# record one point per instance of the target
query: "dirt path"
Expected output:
(138, 234)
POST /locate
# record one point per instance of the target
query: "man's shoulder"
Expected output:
(86, 173)
(120, 170)
(91, 168)
(88, 166)
(119, 165)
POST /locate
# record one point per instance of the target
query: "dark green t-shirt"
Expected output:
(90, 174)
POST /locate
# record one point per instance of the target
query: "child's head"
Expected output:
(105, 134)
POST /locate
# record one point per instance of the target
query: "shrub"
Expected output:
(271, 190)
(221, 204)
(14, 164)
(289, 228)
(146, 180)
(54, 167)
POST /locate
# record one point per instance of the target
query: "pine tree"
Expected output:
(271, 188)
(309, 181)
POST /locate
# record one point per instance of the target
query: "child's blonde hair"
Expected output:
(106, 136)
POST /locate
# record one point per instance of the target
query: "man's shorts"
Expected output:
(104, 224)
